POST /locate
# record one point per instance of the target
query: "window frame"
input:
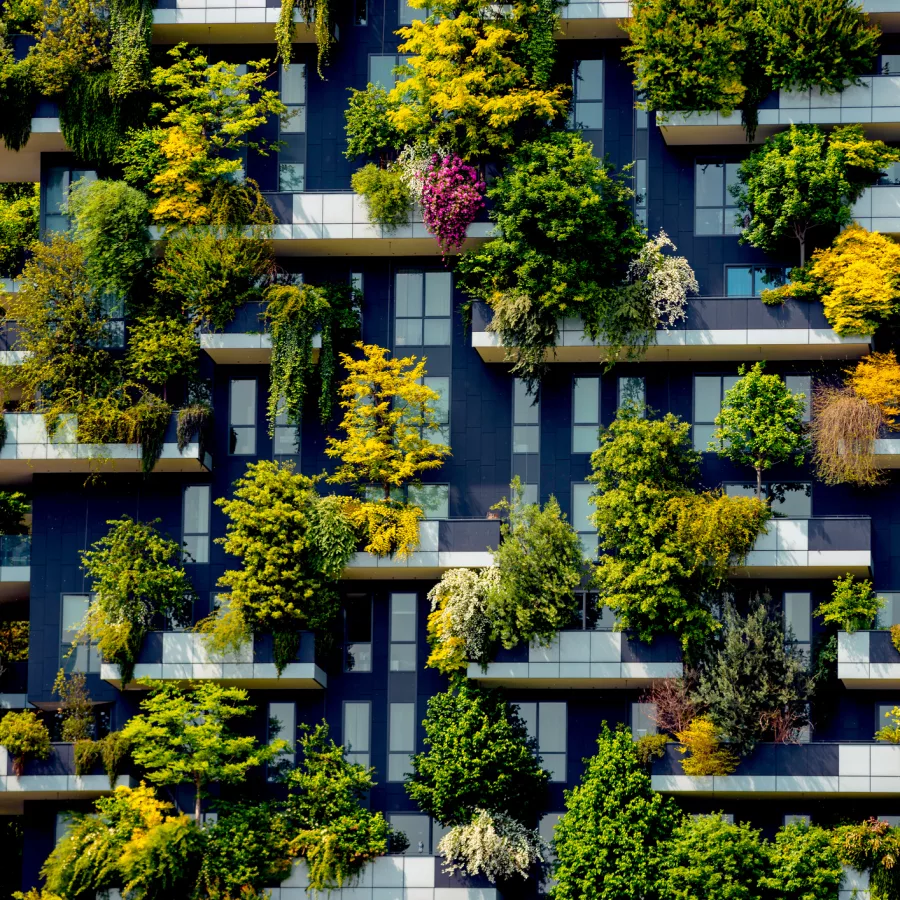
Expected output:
(726, 208)
(583, 425)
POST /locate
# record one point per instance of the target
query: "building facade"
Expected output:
(375, 702)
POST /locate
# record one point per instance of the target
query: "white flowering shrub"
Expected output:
(414, 161)
(459, 629)
(493, 845)
(667, 280)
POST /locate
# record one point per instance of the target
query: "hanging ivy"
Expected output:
(319, 13)
(295, 314)
(17, 101)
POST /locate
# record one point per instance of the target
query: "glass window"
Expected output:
(547, 722)
(801, 384)
(640, 189)
(77, 655)
(889, 614)
(291, 177)
(403, 632)
(441, 385)
(283, 726)
(433, 499)
(423, 309)
(195, 530)
(587, 110)
(286, 437)
(56, 194)
(526, 415)
(408, 15)
(751, 281)
(709, 391)
(415, 827)
(643, 720)
(356, 732)
(797, 620)
(632, 391)
(242, 417)
(585, 415)
(401, 739)
(360, 12)
(381, 70)
(581, 521)
(788, 499)
(714, 207)
(293, 95)
(358, 633)
(62, 825)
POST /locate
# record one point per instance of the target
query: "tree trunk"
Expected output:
(759, 482)
(198, 805)
(802, 251)
(387, 493)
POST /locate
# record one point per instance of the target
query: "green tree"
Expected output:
(336, 833)
(292, 546)
(668, 546)
(566, 235)
(754, 684)
(804, 864)
(390, 420)
(761, 423)
(160, 349)
(24, 736)
(369, 129)
(479, 757)
(137, 577)
(111, 224)
(186, 737)
(609, 842)
(540, 565)
(711, 859)
(805, 179)
(14, 506)
(20, 206)
(853, 605)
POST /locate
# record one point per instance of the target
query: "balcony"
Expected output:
(223, 22)
(29, 449)
(46, 137)
(868, 660)
(714, 329)
(874, 103)
(798, 770)
(443, 544)
(584, 659)
(244, 340)
(594, 19)
(51, 779)
(14, 686)
(336, 224)
(824, 547)
(182, 656)
(879, 209)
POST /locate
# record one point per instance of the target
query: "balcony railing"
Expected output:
(868, 660)
(221, 21)
(587, 659)
(443, 544)
(714, 328)
(29, 449)
(182, 657)
(818, 547)
(815, 769)
(15, 551)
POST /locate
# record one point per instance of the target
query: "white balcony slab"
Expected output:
(223, 22)
(418, 564)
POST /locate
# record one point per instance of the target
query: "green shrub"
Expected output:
(651, 746)
(874, 847)
(387, 198)
(19, 214)
(853, 605)
(804, 864)
(369, 130)
(75, 708)
(160, 349)
(14, 506)
(24, 736)
(479, 756)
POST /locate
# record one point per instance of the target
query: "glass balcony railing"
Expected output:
(15, 550)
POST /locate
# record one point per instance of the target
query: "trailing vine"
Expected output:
(295, 314)
(318, 13)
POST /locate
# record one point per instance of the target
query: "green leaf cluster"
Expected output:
(874, 847)
(804, 864)
(369, 129)
(566, 234)
(668, 546)
(853, 605)
(20, 206)
(386, 195)
(24, 736)
(610, 843)
(479, 756)
(14, 506)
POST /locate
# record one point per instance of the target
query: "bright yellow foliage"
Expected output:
(708, 756)
(388, 527)
(465, 89)
(181, 185)
(876, 378)
(858, 279)
(389, 420)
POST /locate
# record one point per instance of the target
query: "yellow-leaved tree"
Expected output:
(392, 437)
(876, 378)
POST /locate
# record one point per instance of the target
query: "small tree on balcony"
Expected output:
(14, 506)
(853, 605)
(187, 737)
(138, 580)
(761, 423)
(805, 180)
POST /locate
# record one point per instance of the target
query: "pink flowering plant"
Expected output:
(452, 194)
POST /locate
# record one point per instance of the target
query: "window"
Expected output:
(242, 417)
(423, 309)
(643, 720)
(293, 95)
(889, 614)
(357, 728)
(526, 420)
(56, 194)
(891, 174)
(408, 15)
(283, 726)
(432, 499)
(581, 517)
(360, 12)
(801, 384)
(291, 178)
(709, 390)
(797, 820)
(632, 391)
(195, 519)
(401, 739)
(640, 191)
(585, 415)
(415, 827)
(797, 619)
(587, 110)
(381, 69)
(547, 723)
(788, 499)
(751, 281)
(358, 633)
(403, 633)
(78, 655)
(714, 207)
(890, 64)
(62, 825)
(440, 384)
